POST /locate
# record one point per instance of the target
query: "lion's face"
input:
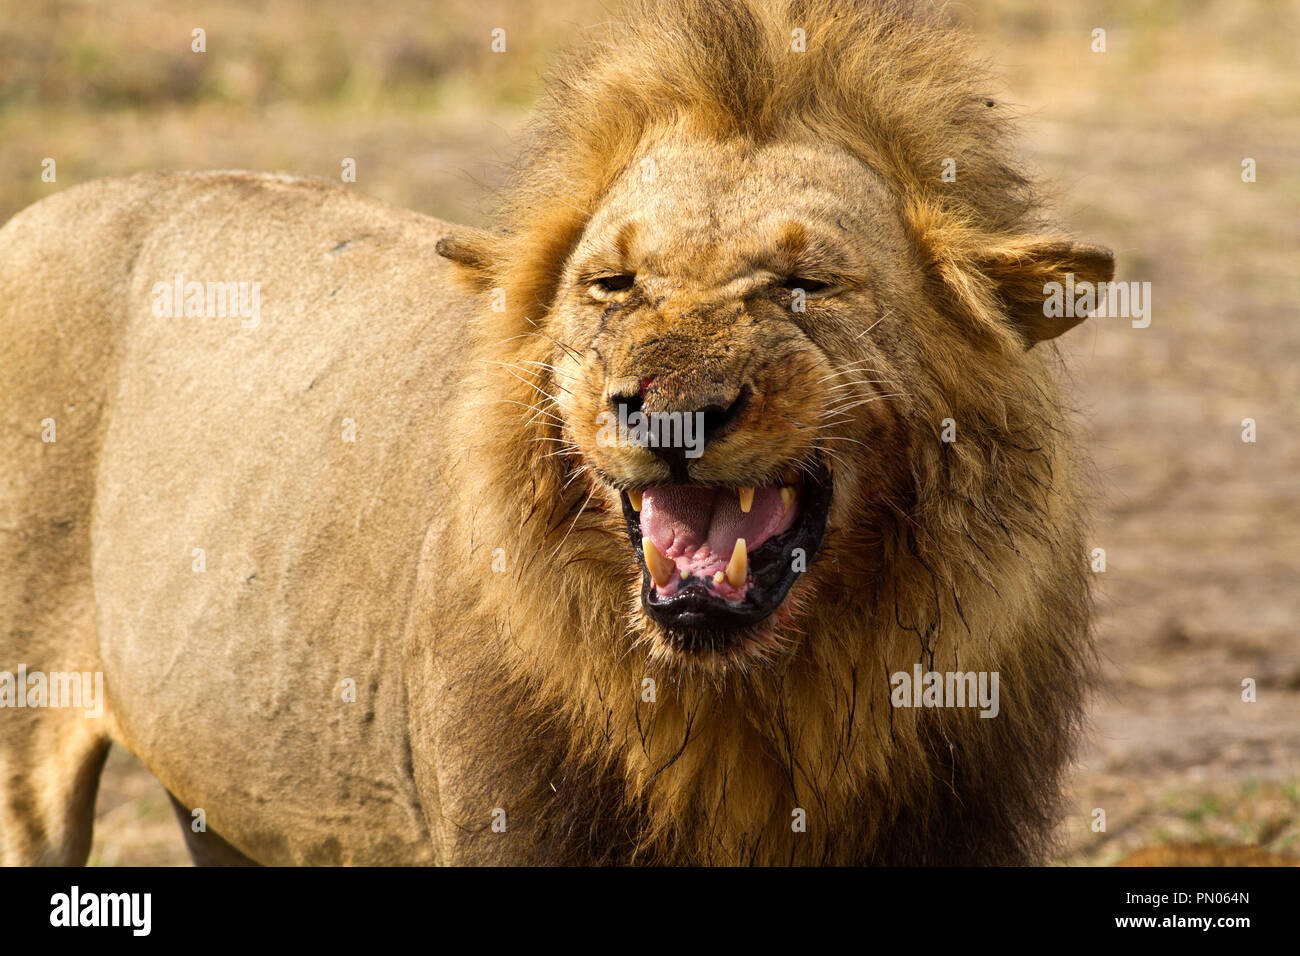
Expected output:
(763, 258)
(734, 341)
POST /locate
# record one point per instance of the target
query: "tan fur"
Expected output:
(522, 690)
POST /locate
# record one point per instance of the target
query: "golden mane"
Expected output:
(983, 564)
(888, 81)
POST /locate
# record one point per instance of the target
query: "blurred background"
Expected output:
(1144, 144)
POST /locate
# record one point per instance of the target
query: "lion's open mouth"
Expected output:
(717, 557)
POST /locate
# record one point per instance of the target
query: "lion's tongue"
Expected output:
(697, 527)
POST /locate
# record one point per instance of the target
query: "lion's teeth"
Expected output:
(660, 568)
(635, 498)
(787, 499)
(746, 499)
(738, 566)
(719, 577)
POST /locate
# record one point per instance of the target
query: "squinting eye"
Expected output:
(615, 283)
(809, 286)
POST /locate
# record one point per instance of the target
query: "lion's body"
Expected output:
(165, 435)
(470, 586)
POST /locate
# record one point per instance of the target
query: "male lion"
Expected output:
(373, 577)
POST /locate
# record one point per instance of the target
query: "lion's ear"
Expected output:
(475, 254)
(1023, 273)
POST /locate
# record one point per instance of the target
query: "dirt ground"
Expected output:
(1201, 530)
(1144, 141)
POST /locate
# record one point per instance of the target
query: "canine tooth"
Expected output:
(738, 566)
(660, 568)
(787, 499)
(746, 499)
(635, 498)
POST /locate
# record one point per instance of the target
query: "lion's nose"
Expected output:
(714, 412)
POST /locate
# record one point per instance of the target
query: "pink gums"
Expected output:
(696, 528)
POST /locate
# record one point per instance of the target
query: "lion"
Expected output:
(615, 533)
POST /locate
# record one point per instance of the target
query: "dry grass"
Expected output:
(1145, 142)
(410, 91)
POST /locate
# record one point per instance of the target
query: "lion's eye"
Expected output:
(604, 285)
(812, 288)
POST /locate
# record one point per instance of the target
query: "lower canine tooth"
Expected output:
(635, 498)
(660, 568)
(738, 566)
(787, 498)
(746, 499)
